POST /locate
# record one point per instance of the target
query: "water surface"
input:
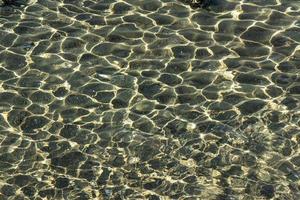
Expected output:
(150, 100)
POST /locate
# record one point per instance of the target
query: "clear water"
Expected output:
(150, 100)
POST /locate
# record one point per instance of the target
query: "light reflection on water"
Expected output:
(149, 100)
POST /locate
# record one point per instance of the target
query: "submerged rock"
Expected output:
(198, 3)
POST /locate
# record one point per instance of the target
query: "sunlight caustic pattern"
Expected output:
(152, 99)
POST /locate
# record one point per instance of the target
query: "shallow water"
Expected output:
(150, 100)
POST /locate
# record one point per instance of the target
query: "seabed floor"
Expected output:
(150, 99)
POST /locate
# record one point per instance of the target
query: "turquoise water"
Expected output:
(150, 100)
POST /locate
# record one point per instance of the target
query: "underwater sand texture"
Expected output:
(132, 99)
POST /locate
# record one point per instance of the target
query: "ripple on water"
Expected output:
(149, 99)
